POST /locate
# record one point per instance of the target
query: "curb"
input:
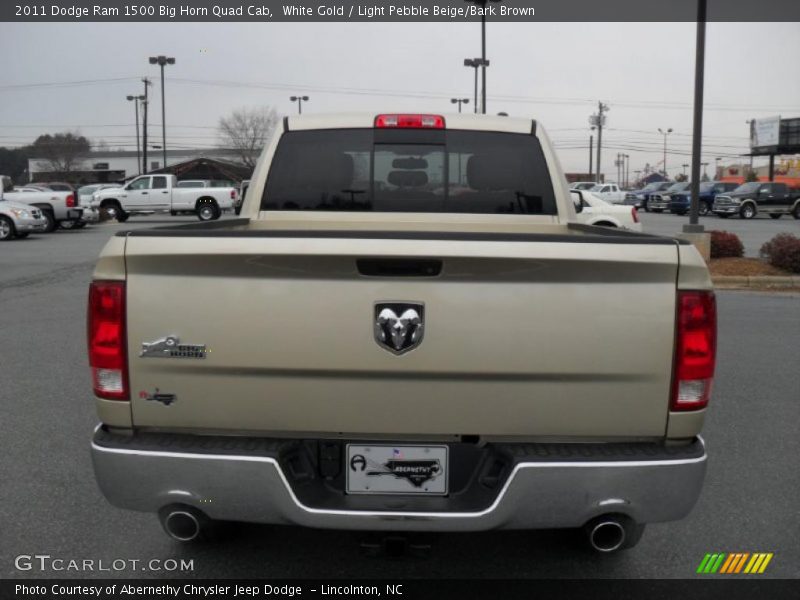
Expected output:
(740, 281)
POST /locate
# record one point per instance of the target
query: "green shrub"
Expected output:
(725, 244)
(783, 252)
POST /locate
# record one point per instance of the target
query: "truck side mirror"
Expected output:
(577, 200)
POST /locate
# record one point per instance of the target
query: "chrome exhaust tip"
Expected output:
(606, 534)
(181, 525)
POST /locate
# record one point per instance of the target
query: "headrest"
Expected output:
(408, 178)
(492, 172)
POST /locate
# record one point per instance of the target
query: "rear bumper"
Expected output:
(546, 486)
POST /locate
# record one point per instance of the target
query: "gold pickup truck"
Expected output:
(405, 330)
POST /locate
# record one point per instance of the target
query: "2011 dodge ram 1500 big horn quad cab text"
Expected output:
(419, 337)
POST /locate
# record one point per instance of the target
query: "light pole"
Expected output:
(481, 5)
(459, 101)
(475, 63)
(685, 166)
(135, 100)
(162, 61)
(665, 134)
(717, 170)
(145, 107)
(591, 149)
(299, 100)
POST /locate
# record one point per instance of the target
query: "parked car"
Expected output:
(58, 186)
(85, 193)
(583, 185)
(194, 183)
(610, 192)
(680, 202)
(150, 194)
(659, 201)
(596, 211)
(747, 200)
(18, 220)
(429, 354)
(56, 207)
(642, 196)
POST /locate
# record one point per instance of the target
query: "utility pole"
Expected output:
(591, 148)
(145, 102)
(600, 122)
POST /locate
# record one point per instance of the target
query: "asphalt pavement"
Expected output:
(50, 504)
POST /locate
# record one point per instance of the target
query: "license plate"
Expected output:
(396, 469)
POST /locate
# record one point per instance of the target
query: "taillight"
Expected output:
(695, 350)
(410, 121)
(70, 201)
(105, 326)
(635, 215)
(233, 194)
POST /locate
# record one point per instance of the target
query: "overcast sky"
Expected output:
(554, 72)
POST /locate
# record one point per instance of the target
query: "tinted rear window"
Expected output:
(409, 171)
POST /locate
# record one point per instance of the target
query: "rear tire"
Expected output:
(796, 212)
(208, 211)
(68, 224)
(775, 216)
(7, 229)
(122, 216)
(703, 209)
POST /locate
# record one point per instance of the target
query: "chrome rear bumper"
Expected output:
(536, 494)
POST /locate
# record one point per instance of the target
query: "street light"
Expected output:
(665, 134)
(162, 61)
(475, 63)
(685, 166)
(481, 4)
(717, 170)
(591, 150)
(135, 100)
(459, 101)
(299, 100)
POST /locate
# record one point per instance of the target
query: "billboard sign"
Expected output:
(765, 133)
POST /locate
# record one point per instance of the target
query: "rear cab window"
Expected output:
(409, 170)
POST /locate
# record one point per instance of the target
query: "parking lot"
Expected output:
(51, 505)
(753, 233)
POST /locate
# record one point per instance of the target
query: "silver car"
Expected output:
(91, 215)
(19, 220)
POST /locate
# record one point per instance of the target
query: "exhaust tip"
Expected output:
(181, 525)
(607, 535)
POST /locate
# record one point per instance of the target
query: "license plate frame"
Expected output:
(402, 469)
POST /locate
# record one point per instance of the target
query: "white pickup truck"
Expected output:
(424, 339)
(149, 194)
(56, 207)
(610, 192)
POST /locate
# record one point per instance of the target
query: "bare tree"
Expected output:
(63, 151)
(247, 130)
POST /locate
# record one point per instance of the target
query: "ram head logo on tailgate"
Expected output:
(399, 326)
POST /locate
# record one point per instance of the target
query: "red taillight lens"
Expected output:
(233, 194)
(410, 121)
(105, 327)
(70, 201)
(695, 350)
(635, 215)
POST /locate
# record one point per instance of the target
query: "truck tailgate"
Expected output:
(535, 338)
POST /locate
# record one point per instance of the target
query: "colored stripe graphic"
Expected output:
(734, 562)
